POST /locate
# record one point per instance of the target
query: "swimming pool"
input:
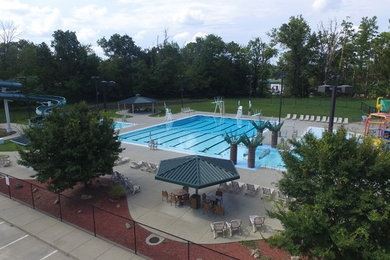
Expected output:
(119, 125)
(204, 135)
(318, 132)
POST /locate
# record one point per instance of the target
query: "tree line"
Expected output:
(306, 58)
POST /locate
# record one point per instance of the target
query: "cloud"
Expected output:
(89, 12)
(324, 5)
(190, 17)
(43, 20)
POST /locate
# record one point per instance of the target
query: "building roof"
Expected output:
(138, 99)
(196, 171)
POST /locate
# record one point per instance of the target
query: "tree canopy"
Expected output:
(207, 67)
(71, 147)
(339, 192)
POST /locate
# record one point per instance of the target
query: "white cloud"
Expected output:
(181, 36)
(139, 35)
(324, 5)
(89, 12)
(190, 17)
(43, 20)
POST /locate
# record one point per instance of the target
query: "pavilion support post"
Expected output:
(132, 108)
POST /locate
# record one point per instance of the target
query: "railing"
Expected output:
(367, 109)
(120, 230)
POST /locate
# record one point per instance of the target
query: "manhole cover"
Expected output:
(154, 240)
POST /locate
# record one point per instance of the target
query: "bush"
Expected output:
(116, 192)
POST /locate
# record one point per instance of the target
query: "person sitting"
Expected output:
(152, 145)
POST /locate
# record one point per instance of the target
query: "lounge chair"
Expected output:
(323, 119)
(234, 225)
(345, 122)
(224, 186)
(301, 117)
(318, 119)
(136, 165)
(235, 187)
(266, 192)
(256, 221)
(307, 118)
(251, 189)
(133, 188)
(288, 116)
(281, 196)
(294, 117)
(334, 120)
(312, 118)
(121, 160)
(218, 227)
(340, 120)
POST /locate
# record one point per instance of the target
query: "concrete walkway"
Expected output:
(71, 242)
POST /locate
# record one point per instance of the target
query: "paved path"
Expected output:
(41, 235)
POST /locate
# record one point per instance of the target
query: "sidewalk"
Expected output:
(66, 238)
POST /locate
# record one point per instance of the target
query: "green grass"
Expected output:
(269, 107)
(10, 147)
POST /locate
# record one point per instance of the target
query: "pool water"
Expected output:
(119, 125)
(204, 135)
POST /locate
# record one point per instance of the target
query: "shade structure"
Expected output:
(138, 100)
(196, 171)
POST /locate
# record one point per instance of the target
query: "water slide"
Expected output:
(9, 91)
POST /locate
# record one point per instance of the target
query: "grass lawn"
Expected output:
(317, 106)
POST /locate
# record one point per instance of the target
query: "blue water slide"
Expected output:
(48, 102)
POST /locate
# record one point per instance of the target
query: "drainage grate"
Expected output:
(153, 240)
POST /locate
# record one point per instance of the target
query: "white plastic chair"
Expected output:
(256, 221)
(318, 119)
(234, 225)
(307, 118)
(301, 117)
(294, 117)
(218, 227)
(323, 119)
(345, 121)
(288, 116)
(312, 118)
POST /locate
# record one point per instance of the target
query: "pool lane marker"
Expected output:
(13, 242)
(52, 253)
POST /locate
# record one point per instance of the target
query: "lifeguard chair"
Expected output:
(219, 105)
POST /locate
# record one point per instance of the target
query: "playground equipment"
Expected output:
(219, 105)
(377, 124)
(9, 92)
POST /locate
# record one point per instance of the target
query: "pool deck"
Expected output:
(148, 208)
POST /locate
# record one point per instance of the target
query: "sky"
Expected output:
(146, 21)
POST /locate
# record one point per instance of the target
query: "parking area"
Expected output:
(16, 244)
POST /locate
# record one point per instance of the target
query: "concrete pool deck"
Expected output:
(193, 224)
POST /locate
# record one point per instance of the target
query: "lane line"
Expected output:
(13, 242)
(52, 253)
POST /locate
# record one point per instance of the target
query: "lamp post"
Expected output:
(282, 76)
(95, 78)
(250, 78)
(181, 89)
(105, 84)
(333, 103)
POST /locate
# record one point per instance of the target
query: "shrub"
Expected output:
(116, 192)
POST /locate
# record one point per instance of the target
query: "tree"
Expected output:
(260, 126)
(259, 56)
(296, 36)
(341, 191)
(8, 33)
(251, 144)
(71, 147)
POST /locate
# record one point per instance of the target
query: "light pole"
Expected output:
(250, 78)
(181, 89)
(282, 76)
(333, 103)
(105, 84)
(95, 78)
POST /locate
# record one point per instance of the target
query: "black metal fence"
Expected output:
(121, 230)
(367, 109)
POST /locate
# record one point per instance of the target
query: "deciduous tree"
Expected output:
(71, 147)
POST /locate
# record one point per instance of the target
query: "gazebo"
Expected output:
(196, 171)
(138, 100)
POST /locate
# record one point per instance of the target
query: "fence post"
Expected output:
(94, 223)
(59, 203)
(135, 238)
(32, 196)
(9, 185)
(188, 250)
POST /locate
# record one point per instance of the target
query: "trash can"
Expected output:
(195, 201)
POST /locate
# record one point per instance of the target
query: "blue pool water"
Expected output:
(204, 135)
(119, 125)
